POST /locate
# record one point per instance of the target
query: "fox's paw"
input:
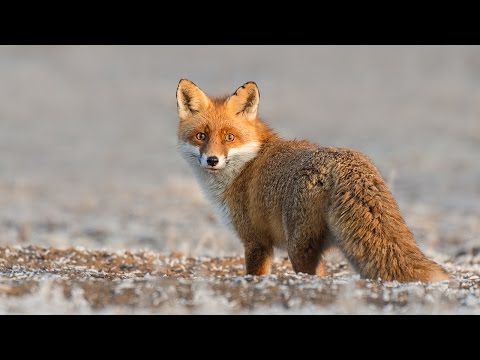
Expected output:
(322, 269)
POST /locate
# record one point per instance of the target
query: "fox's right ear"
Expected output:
(190, 99)
(244, 101)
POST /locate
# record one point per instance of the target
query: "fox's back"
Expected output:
(287, 180)
(284, 173)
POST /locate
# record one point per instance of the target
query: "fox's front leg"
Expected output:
(258, 258)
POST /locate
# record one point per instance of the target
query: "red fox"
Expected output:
(294, 194)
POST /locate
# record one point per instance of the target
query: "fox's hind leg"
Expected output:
(306, 248)
(305, 257)
(307, 236)
(322, 269)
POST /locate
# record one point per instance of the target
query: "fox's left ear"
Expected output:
(190, 99)
(244, 101)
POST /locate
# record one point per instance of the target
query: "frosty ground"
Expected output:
(43, 280)
(99, 214)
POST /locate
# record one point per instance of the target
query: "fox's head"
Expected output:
(217, 134)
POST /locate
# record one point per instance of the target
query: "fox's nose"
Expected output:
(212, 160)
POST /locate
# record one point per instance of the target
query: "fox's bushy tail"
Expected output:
(370, 230)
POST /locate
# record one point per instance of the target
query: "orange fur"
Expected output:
(322, 269)
(294, 194)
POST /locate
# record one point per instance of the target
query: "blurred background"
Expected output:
(88, 136)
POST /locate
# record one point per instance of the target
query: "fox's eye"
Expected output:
(230, 137)
(201, 136)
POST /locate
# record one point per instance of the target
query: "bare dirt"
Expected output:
(99, 214)
(81, 281)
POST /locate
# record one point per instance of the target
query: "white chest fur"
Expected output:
(215, 183)
(214, 186)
